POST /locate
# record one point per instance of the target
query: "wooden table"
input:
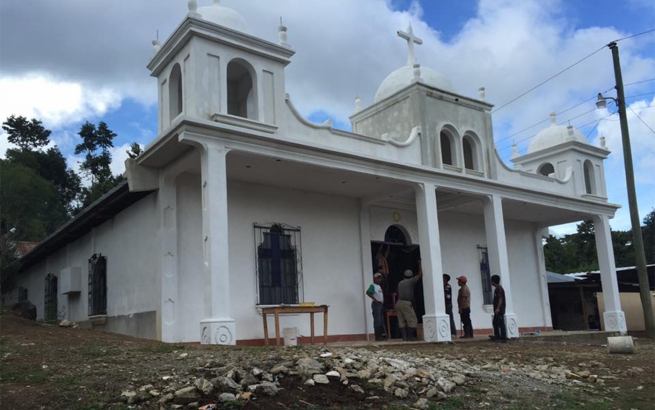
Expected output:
(389, 314)
(277, 310)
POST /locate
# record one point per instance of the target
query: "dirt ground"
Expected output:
(48, 367)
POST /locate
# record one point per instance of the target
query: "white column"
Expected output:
(613, 317)
(498, 261)
(169, 277)
(367, 263)
(542, 276)
(217, 327)
(436, 323)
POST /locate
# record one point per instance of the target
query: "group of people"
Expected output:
(404, 307)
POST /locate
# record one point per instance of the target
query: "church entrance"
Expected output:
(392, 258)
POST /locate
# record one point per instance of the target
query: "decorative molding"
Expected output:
(512, 326)
(615, 322)
(218, 332)
(436, 328)
(243, 122)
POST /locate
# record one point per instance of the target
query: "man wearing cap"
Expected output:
(448, 296)
(464, 305)
(500, 331)
(377, 305)
(404, 307)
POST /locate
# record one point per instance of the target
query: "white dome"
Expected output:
(555, 135)
(223, 16)
(403, 77)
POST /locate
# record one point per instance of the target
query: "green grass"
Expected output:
(92, 351)
(21, 374)
(453, 402)
(161, 348)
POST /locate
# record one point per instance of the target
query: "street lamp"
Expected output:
(638, 241)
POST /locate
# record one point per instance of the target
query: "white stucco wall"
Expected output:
(130, 244)
(330, 256)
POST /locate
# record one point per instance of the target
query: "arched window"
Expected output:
(395, 235)
(50, 298)
(589, 178)
(175, 91)
(470, 148)
(447, 148)
(546, 169)
(241, 90)
(97, 285)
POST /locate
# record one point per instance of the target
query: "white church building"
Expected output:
(241, 203)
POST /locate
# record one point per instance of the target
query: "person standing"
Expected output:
(464, 306)
(404, 307)
(448, 297)
(500, 331)
(377, 305)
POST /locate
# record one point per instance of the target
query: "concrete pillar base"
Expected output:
(436, 328)
(615, 322)
(218, 332)
(512, 326)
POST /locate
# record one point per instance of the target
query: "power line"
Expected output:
(580, 126)
(635, 35)
(572, 107)
(544, 82)
(639, 82)
(568, 68)
(637, 115)
(592, 130)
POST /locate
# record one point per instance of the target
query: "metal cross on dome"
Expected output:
(411, 39)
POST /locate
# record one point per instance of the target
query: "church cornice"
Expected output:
(574, 146)
(192, 26)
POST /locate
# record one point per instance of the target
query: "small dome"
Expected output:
(555, 135)
(403, 77)
(223, 16)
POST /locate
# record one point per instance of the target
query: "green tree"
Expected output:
(26, 134)
(648, 231)
(135, 150)
(96, 144)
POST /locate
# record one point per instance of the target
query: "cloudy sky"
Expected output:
(68, 61)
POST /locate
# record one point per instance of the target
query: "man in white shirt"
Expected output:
(377, 305)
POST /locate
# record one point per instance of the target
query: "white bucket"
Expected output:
(290, 336)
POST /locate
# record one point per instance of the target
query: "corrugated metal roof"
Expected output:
(558, 278)
(23, 247)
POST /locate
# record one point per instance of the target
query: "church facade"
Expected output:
(240, 203)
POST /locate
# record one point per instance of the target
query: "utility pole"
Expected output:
(638, 240)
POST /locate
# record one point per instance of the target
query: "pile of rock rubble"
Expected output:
(407, 375)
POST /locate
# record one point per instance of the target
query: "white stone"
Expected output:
(321, 379)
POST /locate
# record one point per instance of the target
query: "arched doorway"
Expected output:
(392, 257)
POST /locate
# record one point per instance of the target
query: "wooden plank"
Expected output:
(311, 321)
(325, 325)
(277, 328)
(265, 329)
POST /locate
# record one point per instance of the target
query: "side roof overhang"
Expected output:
(103, 209)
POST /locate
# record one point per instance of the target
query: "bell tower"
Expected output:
(211, 68)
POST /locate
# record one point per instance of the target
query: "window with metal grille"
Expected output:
(50, 298)
(278, 264)
(22, 294)
(485, 275)
(97, 285)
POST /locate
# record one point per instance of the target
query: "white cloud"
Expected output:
(56, 103)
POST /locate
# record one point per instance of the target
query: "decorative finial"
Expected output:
(417, 72)
(282, 35)
(358, 104)
(193, 9)
(156, 46)
(481, 93)
(603, 143)
(569, 130)
(411, 39)
(515, 150)
(217, 2)
(553, 118)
